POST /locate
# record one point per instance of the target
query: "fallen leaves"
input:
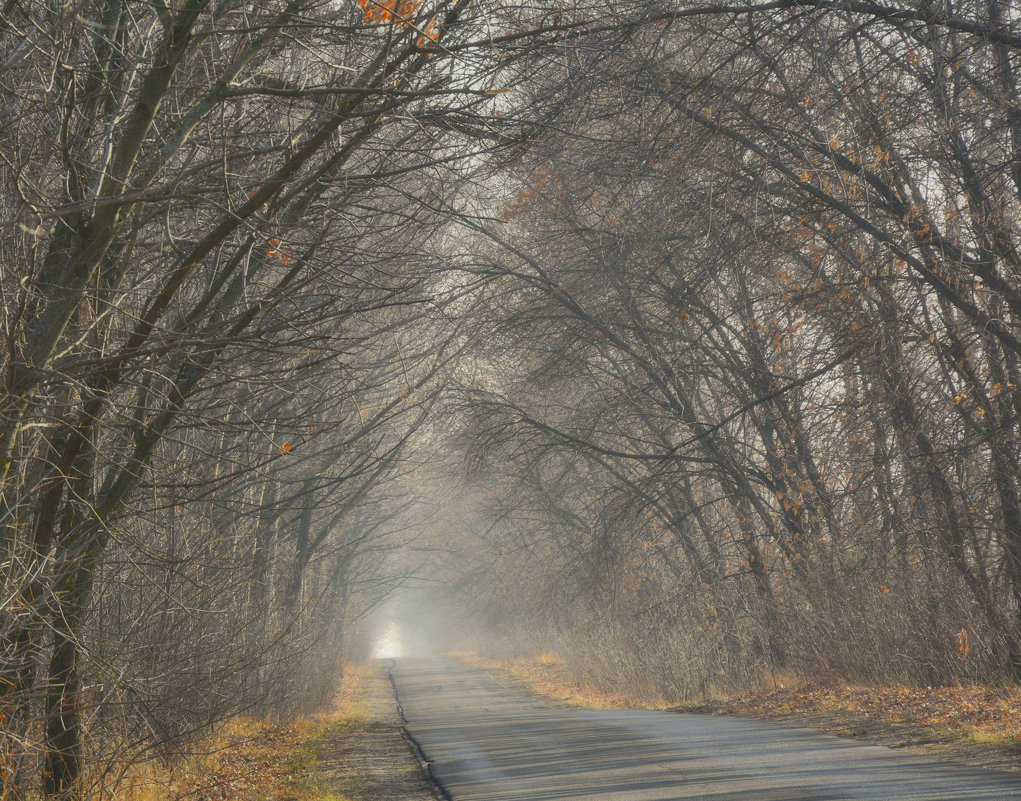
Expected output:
(256, 761)
(978, 712)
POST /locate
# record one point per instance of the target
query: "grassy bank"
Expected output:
(975, 724)
(258, 760)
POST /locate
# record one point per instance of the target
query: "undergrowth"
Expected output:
(249, 759)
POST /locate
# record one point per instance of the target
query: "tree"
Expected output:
(212, 202)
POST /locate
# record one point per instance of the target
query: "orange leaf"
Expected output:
(961, 643)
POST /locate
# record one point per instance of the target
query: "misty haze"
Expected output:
(409, 399)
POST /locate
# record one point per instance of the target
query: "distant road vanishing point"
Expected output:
(488, 743)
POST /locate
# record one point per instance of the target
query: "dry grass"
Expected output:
(256, 760)
(546, 675)
(979, 714)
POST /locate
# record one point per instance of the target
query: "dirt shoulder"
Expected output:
(370, 760)
(979, 726)
(354, 752)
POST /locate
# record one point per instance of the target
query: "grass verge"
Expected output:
(258, 760)
(976, 713)
(979, 725)
(545, 675)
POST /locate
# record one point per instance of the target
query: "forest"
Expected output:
(682, 337)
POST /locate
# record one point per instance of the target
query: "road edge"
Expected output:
(441, 792)
(915, 739)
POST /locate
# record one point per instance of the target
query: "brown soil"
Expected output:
(370, 760)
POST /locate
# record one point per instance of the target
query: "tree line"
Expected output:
(218, 339)
(747, 404)
(716, 302)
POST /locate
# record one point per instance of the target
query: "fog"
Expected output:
(388, 645)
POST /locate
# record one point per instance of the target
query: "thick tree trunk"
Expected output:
(63, 770)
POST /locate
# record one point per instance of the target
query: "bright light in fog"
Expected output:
(388, 646)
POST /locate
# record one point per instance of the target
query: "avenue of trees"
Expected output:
(717, 304)
(218, 338)
(745, 399)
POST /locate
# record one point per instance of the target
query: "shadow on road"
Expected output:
(488, 743)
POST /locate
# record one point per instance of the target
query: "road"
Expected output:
(489, 743)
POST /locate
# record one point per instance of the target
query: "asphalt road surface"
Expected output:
(488, 743)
